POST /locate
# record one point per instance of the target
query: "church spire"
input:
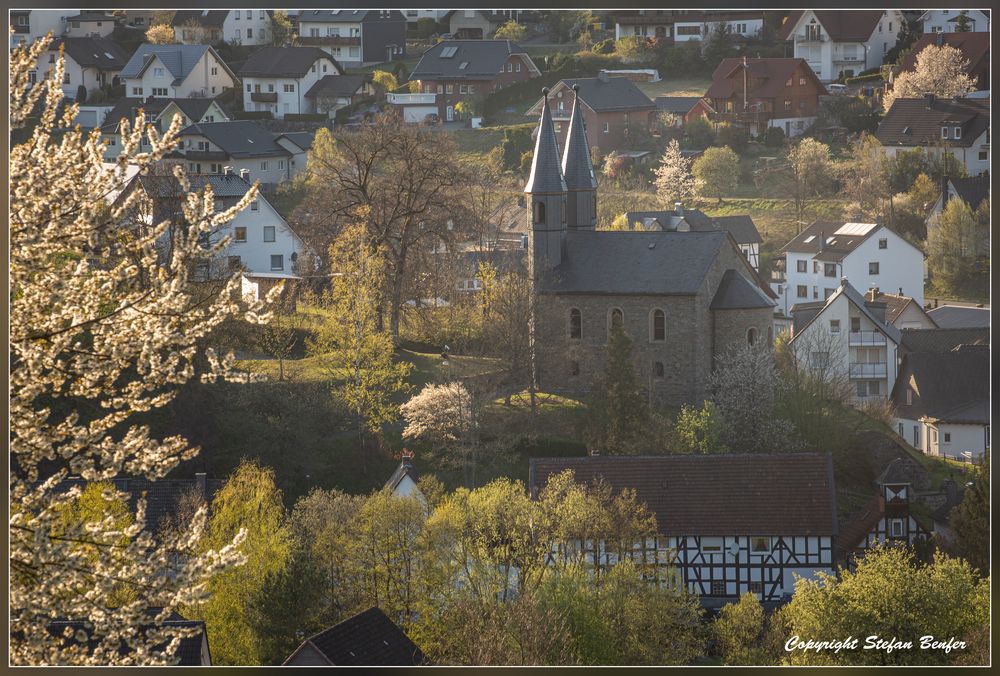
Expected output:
(578, 171)
(546, 175)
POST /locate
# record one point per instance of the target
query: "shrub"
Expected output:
(699, 133)
(426, 27)
(774, 137)
(305, 117)
(253, 115)
(734, 137)
(604, 47)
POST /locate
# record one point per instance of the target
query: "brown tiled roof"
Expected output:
(859, 525)
(974, 46)
(894, 303)
(773, 71)
(854, 25)
(918, 122)
(731, 494)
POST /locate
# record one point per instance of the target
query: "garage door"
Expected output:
(417, 113)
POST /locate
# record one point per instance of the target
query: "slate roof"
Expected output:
(941, 339)
(405, 469)
(301, 139)
(960, 317)
(634, 263)
(975, 47)
(918, 122)
(178, 59)
(860, 524)
(972, 190)
(577, 168)
(484, 59)
(224, 186)
(90, 16)
(679, 105)
(773, 71)
(128, 108)
(100, 53)
(895, 304)
(741, 227)
(284, 62)
(546, 173)
(347, 15)
(239, 138)
(858, 300)
(842, 25)
(605, 95)
(336, 85)
(367, 639)
(713, 495)
(836, 250)
(188, 652)
(950, 386)
(736, 292)
(202, 17)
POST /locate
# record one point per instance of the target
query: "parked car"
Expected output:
(444, 36)
(837, 89)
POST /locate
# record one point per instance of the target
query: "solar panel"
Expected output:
(855, 229)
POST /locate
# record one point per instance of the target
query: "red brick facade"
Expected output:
(605, 130)
(452, 91)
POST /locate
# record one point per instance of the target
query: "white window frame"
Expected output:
(281, 260)
(896, 528)
(272, 231)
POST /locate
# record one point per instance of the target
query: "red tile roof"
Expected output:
(732, 494)
(774, 72)
(855, 25)
(974, 46)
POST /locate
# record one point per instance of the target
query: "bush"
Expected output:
(604, 47)
(872, 77)
(734, 137)
(774, 137)
(699, 133)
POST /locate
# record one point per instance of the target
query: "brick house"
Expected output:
(585, 282)
(454, 70)
(762, 93)
(611, 106)
(686, 108)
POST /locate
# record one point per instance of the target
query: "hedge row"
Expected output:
(874, 77)
(306, 117)
(253, 115)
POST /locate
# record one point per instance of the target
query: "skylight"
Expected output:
(463, 65)
(448, 52)
(809, 239)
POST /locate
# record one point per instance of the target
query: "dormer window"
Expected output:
(957, 132)
(944, 132)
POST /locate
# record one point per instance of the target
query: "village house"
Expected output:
(241, 27)
(369, 639)
(92, 62)
(141, 19)
(958, 126)
(29, 25)
(355, 37)
(942, 401)
(160, 112)
(810, 266)
(89, 25)
(612, 108)
(741, 227)
(685, 108)
(946, 20)
(975, 48)
(455, 70)
(761, 93)
(684, 25)
(277, 79)
(898, 310)
(403, 482)
(728, 524)
(177, 71)
(950, 316)
(332, 92)
(841, 43)
(476, 24)
(209, 147)
(415, 15)
(192, 651)
(586, 283)
(973, 191)
(298, 144)
(849, 340)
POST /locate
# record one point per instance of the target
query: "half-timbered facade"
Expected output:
(728, 524)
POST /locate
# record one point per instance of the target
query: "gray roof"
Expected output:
(284, 62)
(302, 139)
(972, 190)
(736, 292)
(578, 170)
(942, 340)
(128, 107)
(203, 17)
(960, 316)
(347, 15)
(178, 59)
(336, 85)
(369, 638)
(405, 469)
(100, 53)
(950, 386)
(90, 16)
(239, 138)
(634, 263)
(613, 93)
(224, 186)
(808, 241)
(679, 105)
(918, 122)
(483, 59)
(546, 174)
(741, 227)
(855, 297)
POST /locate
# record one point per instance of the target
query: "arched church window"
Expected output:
(575, 324)
(658, 328)
(539, 212)
(616, 320)
(751, 336)
(658, 369)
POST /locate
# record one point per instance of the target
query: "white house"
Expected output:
(945, 20)
(29, 25)
(277, 79)
(842, 42)
(942, 401)
(959, 126)
(94, 63)
(238, 26)
(160, 113)
(89, 25)
(403, 482)
(355, 37)
(810, 266)
(176, 71)
(298, 144)
(849, 340)
(241, 144)
(744, 24)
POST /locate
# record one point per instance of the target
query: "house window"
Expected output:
(711, 545)
(249, 32)
(944, 132)
(261, 15)
(883, 243)
(268, 233)
(157, 72)
(462, 89)
(815, 267)
(281, 163)
(984, 155)
(659, 328)
(834, 326)
(957, 132)
(658, 369)
(616, 319)
(909, 397)
(829, 269)
(607, 128)
(518, 67)
(896, 528)
(510, 68)
(788, 104)
(802, 81)
(241, 234)
(815, 293)
(254, 206)
(760, 545)
(855, 324)
(718, 588)
(575, 324)
(539, 212)
(873, 268)
(277, 262)
(801, 266)
(263, 166)
(802, 291)
(947, 437)
(916, 436)
(755, 587)
(449, 89)
(237, 15)
(270, 88)
(289, 88)
(574, 368)
(248, 88)
(751, 336)
(159, 91)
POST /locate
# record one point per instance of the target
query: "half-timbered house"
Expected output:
(727, 524)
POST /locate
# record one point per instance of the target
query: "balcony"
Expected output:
(331, 40)
(411, 99)
(865, 338)
(810, 37)
(868, 371)
(264, 97)
(778, 276)
(206, 155)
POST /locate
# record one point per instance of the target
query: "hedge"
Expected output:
(874, 77)
(253, 115)
(306, 117)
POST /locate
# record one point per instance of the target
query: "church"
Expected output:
(682, 297)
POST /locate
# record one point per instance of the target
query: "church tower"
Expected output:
(578, 171)
(546, 199)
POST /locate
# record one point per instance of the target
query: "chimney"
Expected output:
(228, 171)
(822, 240)
(602, 76)
(878, 221)
(872, 294)
(679, 209)
(245, 175)
(843, 281)
(930, 98)
(900, 291)
(201, 481)
(939, 39)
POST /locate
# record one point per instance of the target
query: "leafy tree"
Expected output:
(160, 34)
(280, 336)
(506, 301)
(281, 28)
(701, 430)
(733, 137)
(385, 81)
(962, 24)
(511, 30)
(866, 178)
(250, 503)
(774, 137)
(954, 247)
(739, 631)
(699, 133)
(717, 172)
(96, 341)
(619, 411)
(904, 167)
(942, 71)
(810, 174)
(970, 521)
(674, 180)
(445, 416)
(632, 49)
(720, 43)
(909, 32)
(426, 27)
(889, 594)
(924, 192)
(357, 355)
